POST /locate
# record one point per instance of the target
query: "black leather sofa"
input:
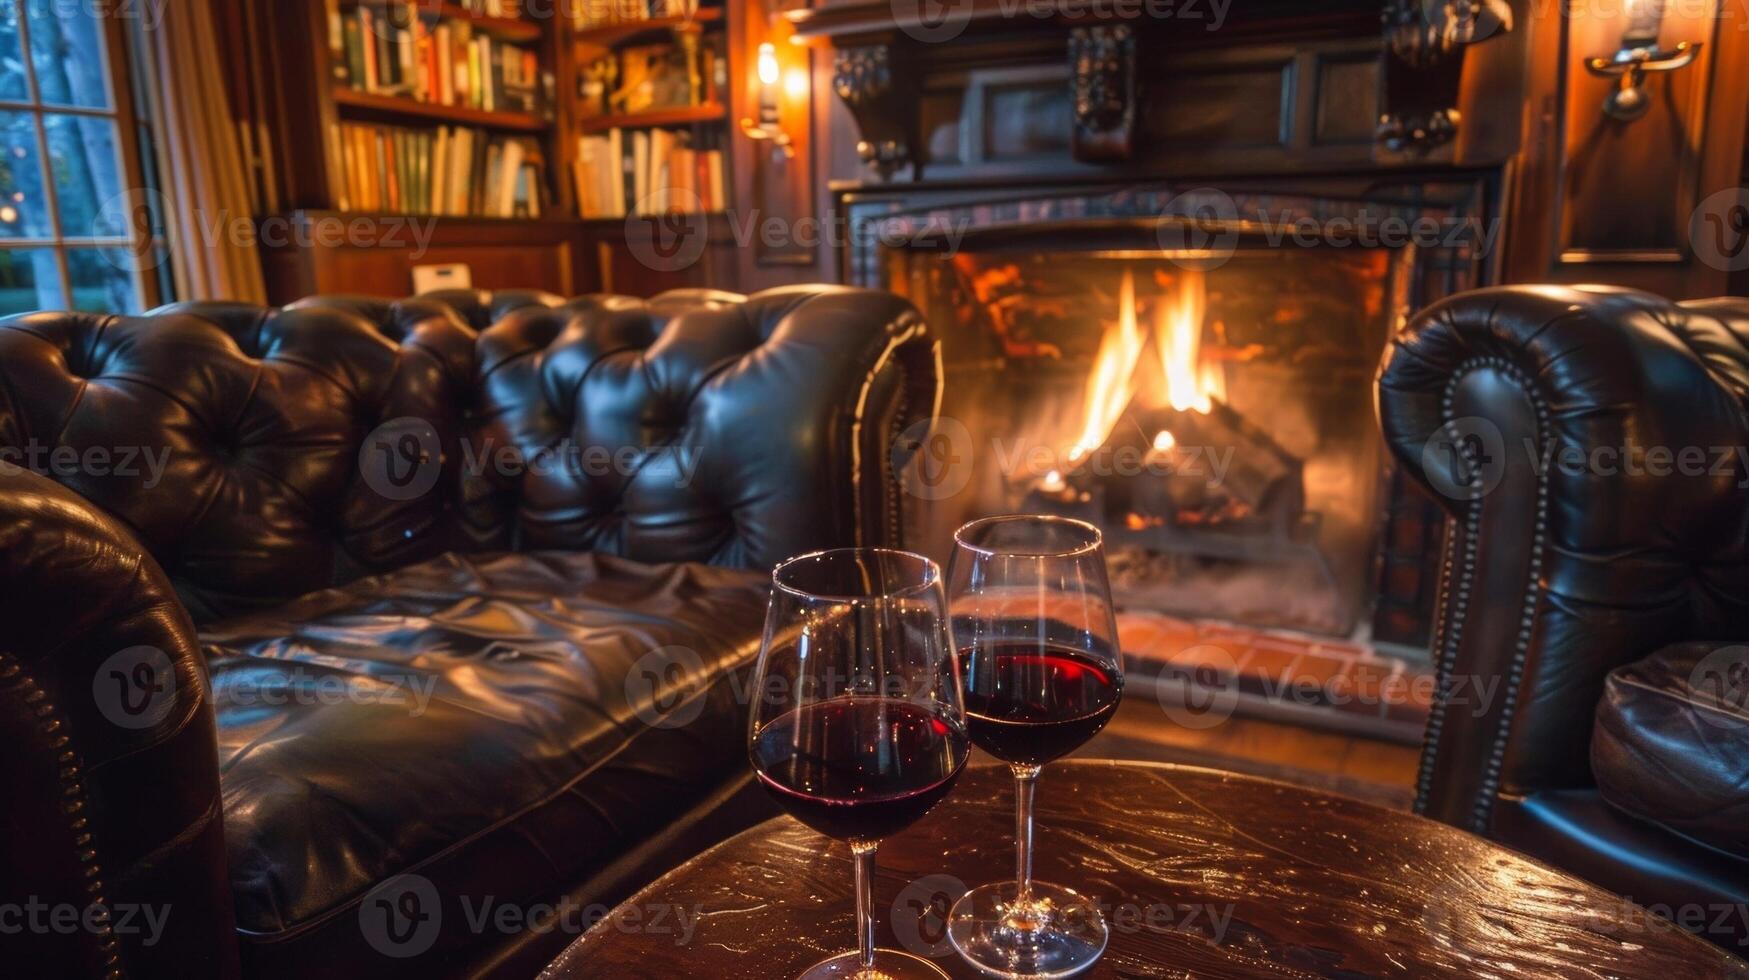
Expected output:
(1588, 445)
(324, 618)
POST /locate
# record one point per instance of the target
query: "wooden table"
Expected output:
(1203, 874)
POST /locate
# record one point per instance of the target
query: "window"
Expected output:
(72, 217)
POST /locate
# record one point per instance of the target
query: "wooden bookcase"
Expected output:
(290, 107)
(310, 245)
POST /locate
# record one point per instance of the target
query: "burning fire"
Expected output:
(1190, 380)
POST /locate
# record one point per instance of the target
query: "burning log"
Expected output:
(1228, 456)
(1186, 468)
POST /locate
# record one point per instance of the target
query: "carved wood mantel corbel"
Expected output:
(872, 82)
(1423, 67)
(1102, 65)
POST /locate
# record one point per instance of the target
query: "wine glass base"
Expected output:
(1058, 934)
(890, 964)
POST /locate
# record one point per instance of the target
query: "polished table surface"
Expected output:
(1202, 874)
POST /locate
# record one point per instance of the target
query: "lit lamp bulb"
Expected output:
(769, 126)
(768, 78)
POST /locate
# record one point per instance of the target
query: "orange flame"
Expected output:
(1190, 381)
(1113, 382)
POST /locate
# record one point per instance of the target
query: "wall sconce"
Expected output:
(1639, 56)
(769, 127)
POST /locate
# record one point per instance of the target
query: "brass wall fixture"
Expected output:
(1639, 55)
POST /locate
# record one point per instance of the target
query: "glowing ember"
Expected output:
(1053, 482)
(1163, 441)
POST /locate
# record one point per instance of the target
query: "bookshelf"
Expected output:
(677, 116)
(313, 98)
(454, 128)
(351, 103)
(650, 109)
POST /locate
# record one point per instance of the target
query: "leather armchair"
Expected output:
(1586, 444)
(456, 592)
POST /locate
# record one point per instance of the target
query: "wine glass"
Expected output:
(1037, 637)
(858, 726)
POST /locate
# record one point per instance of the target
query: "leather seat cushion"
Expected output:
(1670, 742)
(500, 724)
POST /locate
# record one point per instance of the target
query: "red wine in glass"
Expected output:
(825, 769)
(1037, 644)
(858, 725)
(1029, 703)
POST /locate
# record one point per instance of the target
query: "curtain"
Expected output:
(201, 167)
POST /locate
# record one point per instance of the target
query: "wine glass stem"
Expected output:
(864, 853)
(1025, 781)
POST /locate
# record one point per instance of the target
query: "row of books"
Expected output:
(450, 170)
(391, 50)
(602, 13)
(646, 171)
(493, 8)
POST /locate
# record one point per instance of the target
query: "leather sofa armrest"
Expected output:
(111, 803)
(1584, 445)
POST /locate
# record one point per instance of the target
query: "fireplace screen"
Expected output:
(1214, 417)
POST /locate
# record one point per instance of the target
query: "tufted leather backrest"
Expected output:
(1533, 413)
(697, 426)
(261, 454)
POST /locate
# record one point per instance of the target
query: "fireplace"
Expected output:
(1191, 371)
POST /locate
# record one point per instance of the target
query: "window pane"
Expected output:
(24, 208)
(29, 280)
(82, 156)
(103, 280)
(13, 85)
(66, 46)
